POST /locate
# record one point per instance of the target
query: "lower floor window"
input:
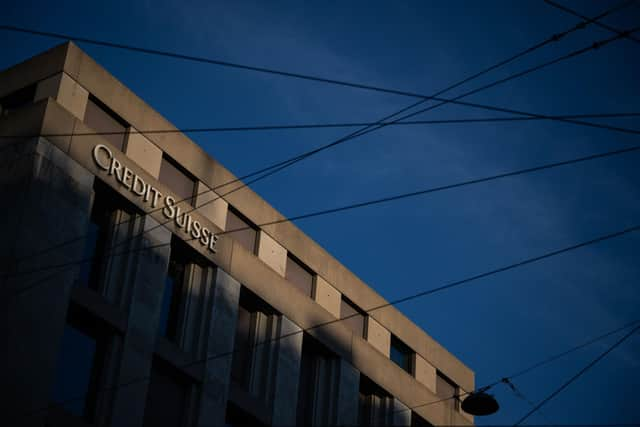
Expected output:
(81, 363)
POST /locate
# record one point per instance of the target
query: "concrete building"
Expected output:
(128, 300)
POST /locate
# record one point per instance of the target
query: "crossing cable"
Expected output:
(577, 375)
(112, 253)
(277, 167)
(298, 75)
(524, 371)
(297, 159)
(581, 16)
(286, 163)
(520, 395)
(271, 340)
(302, 126)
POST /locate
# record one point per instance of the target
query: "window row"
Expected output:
(102, 119)
(87, 361)
(111, 224)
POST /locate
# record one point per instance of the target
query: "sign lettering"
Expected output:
(106, 161)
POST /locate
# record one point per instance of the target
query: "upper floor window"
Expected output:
(105, 121)
(17, 99)
(184, 316)
(401, 354)
(253, 351)
(181, 285)
(299, 274)
(318, 382)
(178, 180)
(81, 364)
(353, 316)
(246, 232)
(375, 406)
(111, 217)
(174, 292)
(447, 390)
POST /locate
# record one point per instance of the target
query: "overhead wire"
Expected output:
(277, 167)
(517, 392)
(299, 75)
(598, 23)
(304, 126)
(577, 375)
(530, 368)
(271, 340)
(457, 283)
(624, 232)
(113, 253)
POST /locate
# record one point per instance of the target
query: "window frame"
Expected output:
(304, 268)
(191, 200)
(17, 99)
(102, 364)
(407, 352)
(112, 207)
(456, 389)
(250, 224)
(254, 306)
(121, 144)
(346, 301)
(172, 328)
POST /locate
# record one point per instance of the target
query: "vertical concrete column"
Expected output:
(348, 395)
(211, 205)
(327, 296)
(144, 314)
(378, 336)
(46, 198)
(425, 373)
(401, 414)
(223, 318)
(272, 253)
(143, 152)
(287, 374)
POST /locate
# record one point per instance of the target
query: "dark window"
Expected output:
(17, 99)
(81, 362)
(251, 352)
(418, 421)
(174, 291)
(401, 354)
(167, 397)
(317, 398)
(102, 119)
(242, 350)
(102, 224)
(247, 232)
(376, 405)
(299, 274)
(447, 389)
(354, 317)
(178, 180)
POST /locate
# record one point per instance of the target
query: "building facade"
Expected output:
(138, 290)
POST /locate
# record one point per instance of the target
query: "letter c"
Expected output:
(96, 150)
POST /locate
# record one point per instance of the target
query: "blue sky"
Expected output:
(496, 325)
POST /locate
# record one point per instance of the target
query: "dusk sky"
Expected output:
(497, 325)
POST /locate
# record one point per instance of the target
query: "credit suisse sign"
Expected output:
(105, 160)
